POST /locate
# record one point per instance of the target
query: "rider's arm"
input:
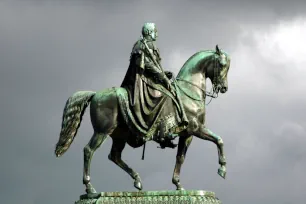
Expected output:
(145, 62)
(155, 71)
(149, 65)
(157, 54)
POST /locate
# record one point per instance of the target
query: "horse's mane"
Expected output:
(207, 52)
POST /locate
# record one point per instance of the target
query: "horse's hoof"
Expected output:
(222, 161)
(90, 191)
(180, 189)
(222, 171)
(138, 185)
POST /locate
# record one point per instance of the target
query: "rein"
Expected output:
(212, 95)
(215, 81)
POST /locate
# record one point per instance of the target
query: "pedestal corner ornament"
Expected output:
(151, 105)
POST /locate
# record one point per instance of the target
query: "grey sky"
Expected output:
(51, 49)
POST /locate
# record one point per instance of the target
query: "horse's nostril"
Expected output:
(223, 90)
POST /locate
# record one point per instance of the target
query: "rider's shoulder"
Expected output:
(138, 47)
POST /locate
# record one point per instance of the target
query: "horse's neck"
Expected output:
(194, 71)
(196, 86)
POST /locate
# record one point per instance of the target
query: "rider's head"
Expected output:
(149, 31)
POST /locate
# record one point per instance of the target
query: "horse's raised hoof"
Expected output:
(222, 171)
(138, 185)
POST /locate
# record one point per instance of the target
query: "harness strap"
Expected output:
(212, 95)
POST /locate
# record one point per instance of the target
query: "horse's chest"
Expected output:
(195, 107)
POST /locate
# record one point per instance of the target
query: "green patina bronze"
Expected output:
(150, 105)
(151, 197)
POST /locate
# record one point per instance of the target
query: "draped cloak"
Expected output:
(145, 89)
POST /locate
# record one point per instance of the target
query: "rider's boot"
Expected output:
(165, 139)
(167, 143)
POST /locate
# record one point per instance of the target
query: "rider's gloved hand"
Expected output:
(169, 74)
(169, 86)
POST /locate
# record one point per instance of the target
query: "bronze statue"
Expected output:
(144, 81)
(149, 106)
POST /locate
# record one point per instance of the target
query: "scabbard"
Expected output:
(183, 113)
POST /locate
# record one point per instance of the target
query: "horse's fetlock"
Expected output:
(222, 160)
(86, 179)
(87, 151)
(175, 179)
(220, 142)
(180, 158)
(136, 176)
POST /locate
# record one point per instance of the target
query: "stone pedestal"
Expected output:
(150, 197)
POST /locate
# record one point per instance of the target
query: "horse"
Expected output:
(106, 117)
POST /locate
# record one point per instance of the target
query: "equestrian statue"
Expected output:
(150, 105)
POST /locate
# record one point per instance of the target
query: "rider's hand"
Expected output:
(173, 91)
(168, 84)
(170, 87)
(169, 74)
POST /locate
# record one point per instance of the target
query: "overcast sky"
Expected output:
(51, 49)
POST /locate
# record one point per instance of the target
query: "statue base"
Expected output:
(151, 197)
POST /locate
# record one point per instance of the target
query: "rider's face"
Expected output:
(155, 34)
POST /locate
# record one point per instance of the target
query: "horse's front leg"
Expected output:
(184, 142)
(206, 134)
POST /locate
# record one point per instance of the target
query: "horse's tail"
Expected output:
(71, 121)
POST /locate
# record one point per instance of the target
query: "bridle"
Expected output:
(215, 82)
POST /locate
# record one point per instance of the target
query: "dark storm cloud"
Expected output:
(50, 49)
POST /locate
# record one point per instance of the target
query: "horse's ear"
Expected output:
(218, 51)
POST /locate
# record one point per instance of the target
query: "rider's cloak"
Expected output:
(142, 84)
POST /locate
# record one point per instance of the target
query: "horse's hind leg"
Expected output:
(115, 156)
(94, 143)
(183, 145)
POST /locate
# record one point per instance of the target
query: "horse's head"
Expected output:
(218, 72)
(212, 64)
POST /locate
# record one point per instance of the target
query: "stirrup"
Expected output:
(184, 124)
(169, 146)
(167, 143)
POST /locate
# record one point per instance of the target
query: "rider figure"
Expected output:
(148, 62)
